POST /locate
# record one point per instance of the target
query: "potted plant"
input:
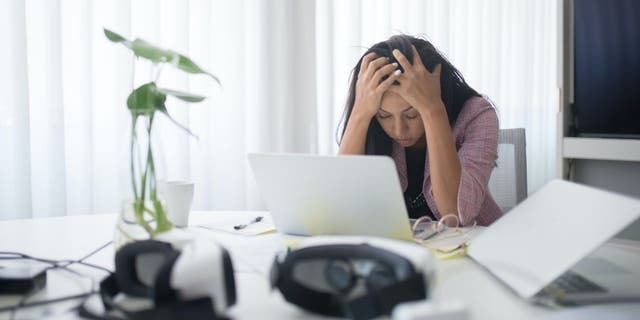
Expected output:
(146, 211)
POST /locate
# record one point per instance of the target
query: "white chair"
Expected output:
(508, 182)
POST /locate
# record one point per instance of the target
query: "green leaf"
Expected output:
(146, 99)
(187, 65)
(142, 48)
(148, 51)
(184, 96)
(114, 37)
(156, 54)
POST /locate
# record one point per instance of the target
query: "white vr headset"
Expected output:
(188, 280)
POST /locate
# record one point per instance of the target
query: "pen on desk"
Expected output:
(242, 226)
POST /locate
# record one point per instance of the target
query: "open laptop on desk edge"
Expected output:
(541, 248)
(341, 195)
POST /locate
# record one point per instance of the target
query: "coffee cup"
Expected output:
(178, 197)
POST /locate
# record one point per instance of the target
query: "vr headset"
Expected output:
(355, 277)
(189, 280)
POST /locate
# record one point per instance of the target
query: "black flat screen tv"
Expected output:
(607, 68)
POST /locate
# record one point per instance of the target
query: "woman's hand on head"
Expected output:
(419, 87)
(369, 88)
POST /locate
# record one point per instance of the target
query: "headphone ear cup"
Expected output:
(127, 261)
(162, 290)
(274, 274)
(229, 278)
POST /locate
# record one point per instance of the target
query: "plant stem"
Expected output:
(162, 223)
(158, 213)
(159, 72)
(138, 208)
(139, 203)
(152, 171)
(133, 140)
(146, 168)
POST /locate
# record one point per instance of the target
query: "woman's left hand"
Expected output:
(419, 87)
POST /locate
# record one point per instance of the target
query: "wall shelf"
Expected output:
(601, 149)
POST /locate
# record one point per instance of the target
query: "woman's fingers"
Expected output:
(416, 57)
(383, 71)
(365, 63)
(436, 70)
(375, 65)
(387, 84)
(402, 60)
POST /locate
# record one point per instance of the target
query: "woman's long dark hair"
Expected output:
(454, 89)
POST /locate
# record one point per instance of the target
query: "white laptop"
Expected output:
(345, 195)
(549, 247)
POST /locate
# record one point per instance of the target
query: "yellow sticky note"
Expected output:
(257, 230)
(450, 252)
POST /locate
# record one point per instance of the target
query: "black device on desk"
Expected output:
(22, 278)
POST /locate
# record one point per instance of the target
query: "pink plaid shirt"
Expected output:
(476, 137)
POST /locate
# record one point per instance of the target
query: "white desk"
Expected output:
(74, 236)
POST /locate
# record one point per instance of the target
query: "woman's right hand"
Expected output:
(369, 89)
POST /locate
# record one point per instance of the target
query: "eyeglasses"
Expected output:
(426, 230)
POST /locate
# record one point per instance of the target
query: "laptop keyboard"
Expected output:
(571, 282)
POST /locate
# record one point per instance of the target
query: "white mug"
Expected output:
(178, 196)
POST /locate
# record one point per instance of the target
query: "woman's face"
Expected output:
(400, 121)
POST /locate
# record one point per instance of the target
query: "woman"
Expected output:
(407, 101)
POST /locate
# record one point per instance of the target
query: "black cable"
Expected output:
(55, 264)
(81, 260)
(18, 255)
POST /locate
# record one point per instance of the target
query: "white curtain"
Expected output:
(284, 67)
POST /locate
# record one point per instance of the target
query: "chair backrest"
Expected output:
(508, 182)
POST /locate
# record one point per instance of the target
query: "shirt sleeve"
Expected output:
(477, 154)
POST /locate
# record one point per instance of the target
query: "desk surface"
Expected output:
(72, 237)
